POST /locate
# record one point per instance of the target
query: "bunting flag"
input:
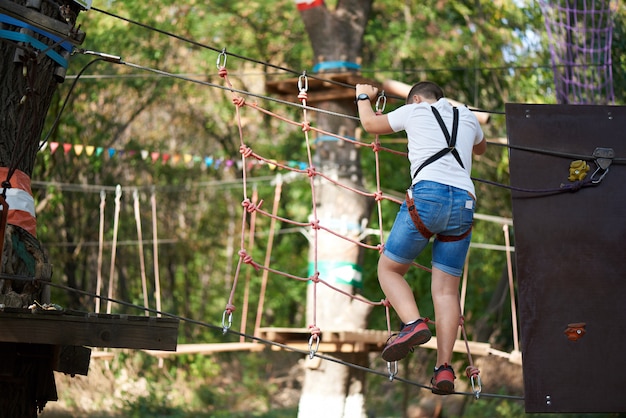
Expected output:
(164, 158)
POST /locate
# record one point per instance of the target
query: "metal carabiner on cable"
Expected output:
(477, 385)
(221, 60)
(312, 350)
(392, 372)
(303, 82)
(225, 327)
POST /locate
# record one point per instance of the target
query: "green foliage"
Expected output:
(485, 54)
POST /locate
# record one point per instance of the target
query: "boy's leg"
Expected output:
(396, 289)
(445, 294)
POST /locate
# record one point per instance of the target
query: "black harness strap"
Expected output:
(450, 140)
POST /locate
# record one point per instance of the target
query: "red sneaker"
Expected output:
(410, 335)
(443, 380)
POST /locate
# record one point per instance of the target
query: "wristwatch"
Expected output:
(362, 96)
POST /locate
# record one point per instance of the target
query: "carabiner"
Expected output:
(383, 98)
(596, 181)
(312, 351)
(392, 373)
(303, 82)
(477, 386)
(221, 60)
(225, 327)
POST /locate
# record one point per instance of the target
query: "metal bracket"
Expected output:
(603, 157)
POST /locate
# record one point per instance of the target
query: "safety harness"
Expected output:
(451, 141)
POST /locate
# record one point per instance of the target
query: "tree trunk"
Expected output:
(330, 388)
(29, 75)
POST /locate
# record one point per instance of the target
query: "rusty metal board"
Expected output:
(570, 257)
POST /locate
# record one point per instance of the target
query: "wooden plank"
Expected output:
(114, 331)
(355, 340)
(207, 348)
(322, 88)
(41, 21)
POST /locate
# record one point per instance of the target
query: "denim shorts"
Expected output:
(444, 210)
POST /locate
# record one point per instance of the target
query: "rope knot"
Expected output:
(310, 171)
(315, 331)
(306, 126)
(376, 146)
(381, 248)
(251, 207)
(239, 101)
(245, 150)
(385, 303)
(222, 72)
(247, 258)
(315, 224)
(471, 371)
(315, 278)
(378, 196)
(303, 95)
(230, 308)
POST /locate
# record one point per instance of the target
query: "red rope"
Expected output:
(314, 223)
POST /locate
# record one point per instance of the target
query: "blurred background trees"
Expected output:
(177, 142)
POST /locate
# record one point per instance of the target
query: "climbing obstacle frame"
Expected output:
(567, 174)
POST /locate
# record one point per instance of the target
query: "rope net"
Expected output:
(253, 207)
(580, 34)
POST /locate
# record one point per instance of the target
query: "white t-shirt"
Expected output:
(425, 139)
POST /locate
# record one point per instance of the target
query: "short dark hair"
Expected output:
(428, 89)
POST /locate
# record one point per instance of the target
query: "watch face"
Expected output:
(363, 96)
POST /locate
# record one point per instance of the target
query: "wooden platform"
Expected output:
(74, 328)
(208, 348)
(320, 90)
(359, 341)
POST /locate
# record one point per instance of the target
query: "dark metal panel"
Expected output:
(570, 257)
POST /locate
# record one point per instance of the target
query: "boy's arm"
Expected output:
(372, 123)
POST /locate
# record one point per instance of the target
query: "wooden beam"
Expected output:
(401, 89)
(41, 21)
(327, 87)
(351, 341)
(86, 329)
(208, 348)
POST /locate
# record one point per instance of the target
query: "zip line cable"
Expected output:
(263, 340)
(261, 62)
(118, 60)
(222, 50)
